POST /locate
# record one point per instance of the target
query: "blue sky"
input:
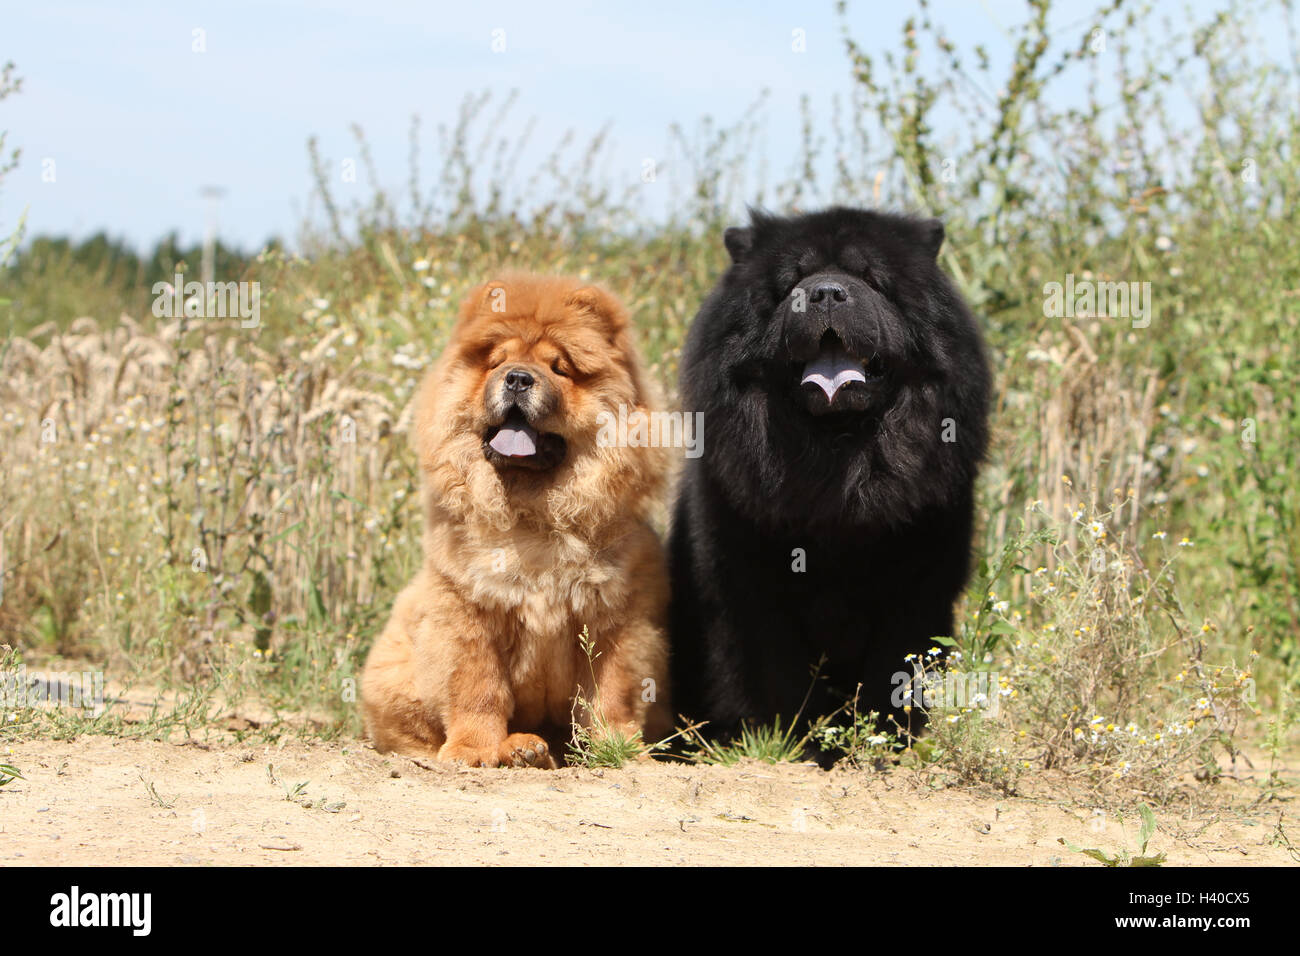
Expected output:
(136, 122)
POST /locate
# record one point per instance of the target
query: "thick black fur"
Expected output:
(866, 487)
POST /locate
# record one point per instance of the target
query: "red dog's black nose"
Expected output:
(517, 380)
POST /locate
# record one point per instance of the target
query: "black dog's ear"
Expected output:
(739, 241)
(932, 236)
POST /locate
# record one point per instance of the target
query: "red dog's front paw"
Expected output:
(526, 750)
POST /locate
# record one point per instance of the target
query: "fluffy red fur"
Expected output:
(480, 661)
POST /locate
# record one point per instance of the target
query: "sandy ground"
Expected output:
(89, 802)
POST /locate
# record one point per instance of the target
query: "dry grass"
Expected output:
(181, 495)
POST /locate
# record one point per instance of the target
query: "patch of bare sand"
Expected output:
(88, 802)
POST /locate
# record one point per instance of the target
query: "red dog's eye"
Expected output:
(558, 369)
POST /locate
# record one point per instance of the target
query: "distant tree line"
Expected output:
(116, 263)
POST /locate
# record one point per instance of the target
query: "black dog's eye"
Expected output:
(876, 366)
(854, 261)
(809, 263)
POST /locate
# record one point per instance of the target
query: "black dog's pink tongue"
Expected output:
(831, 369)
(514, 441)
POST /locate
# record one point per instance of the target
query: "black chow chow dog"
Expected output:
(826, 527)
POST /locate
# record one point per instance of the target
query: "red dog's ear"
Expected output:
(489, 297)
(594, 300)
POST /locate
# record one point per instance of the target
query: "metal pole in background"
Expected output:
(208, 265)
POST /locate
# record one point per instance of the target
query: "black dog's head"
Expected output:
(842, 377)
(842, 339)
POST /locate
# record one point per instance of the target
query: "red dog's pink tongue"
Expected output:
(832, 368)
(514, 442)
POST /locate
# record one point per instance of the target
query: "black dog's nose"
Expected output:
(517, 380)
(828, 290)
